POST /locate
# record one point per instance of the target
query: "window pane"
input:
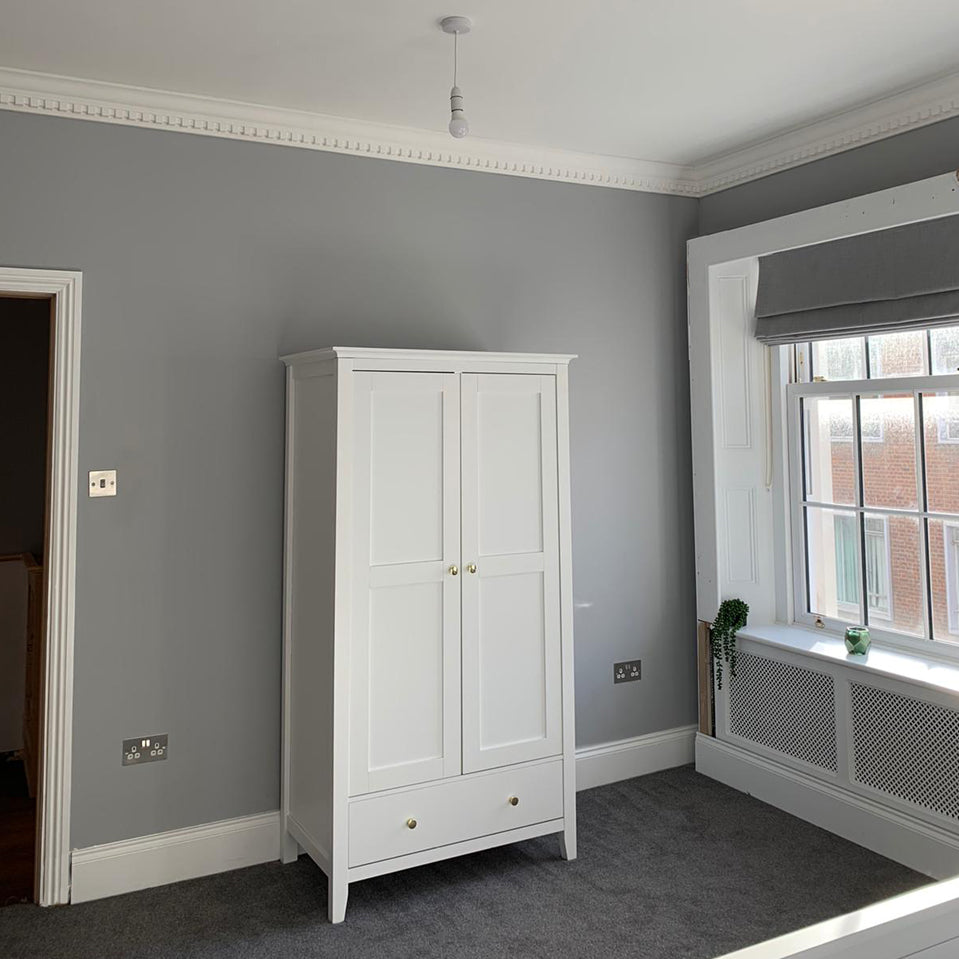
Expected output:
(897, 354)
(945, 350)
(941, 430)
(829, 463)
(944, 569)
(832, 550)
(839, 359)
(894, 587)
(889, 451)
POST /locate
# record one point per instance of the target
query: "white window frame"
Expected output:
(878, 622)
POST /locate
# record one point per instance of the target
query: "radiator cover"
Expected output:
(893, 741)
(906, 747)
(786, 708)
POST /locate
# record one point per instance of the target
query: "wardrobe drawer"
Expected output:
(465, 807)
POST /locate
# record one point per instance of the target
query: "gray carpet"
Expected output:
(670, 865)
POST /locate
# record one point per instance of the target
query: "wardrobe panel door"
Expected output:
(512, 690)
(405, 649)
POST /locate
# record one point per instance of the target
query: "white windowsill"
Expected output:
(908, 666)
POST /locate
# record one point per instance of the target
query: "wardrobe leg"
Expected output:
(336, 899)
(567, 842)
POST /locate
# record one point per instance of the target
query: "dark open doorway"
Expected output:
(25, 336)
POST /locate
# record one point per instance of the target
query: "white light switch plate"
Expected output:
(102, 482)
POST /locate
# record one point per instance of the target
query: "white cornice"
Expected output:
(43, 93)
(135, 106)
(917, 107)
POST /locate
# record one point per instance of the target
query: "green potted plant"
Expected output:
(729, 620)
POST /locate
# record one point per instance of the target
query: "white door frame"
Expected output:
(53, 861)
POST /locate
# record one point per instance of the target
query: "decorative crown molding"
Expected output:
(898, 113)
(43, 93)
(30, 92)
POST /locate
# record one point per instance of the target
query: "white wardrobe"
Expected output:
(428, 646)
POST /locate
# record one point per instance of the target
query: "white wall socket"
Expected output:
(102, 482)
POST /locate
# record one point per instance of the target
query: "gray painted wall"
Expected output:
(905, 158)
(24, 371)
(204, 259)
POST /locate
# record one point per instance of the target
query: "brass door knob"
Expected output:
(513, 800)
(472, 567)
(411, 823)
(454, 570)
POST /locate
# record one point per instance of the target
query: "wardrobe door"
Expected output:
(405, 636)
(512, 706)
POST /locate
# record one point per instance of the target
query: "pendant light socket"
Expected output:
(459, 126)
(456, 24)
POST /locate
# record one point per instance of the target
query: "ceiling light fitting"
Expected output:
(459, 125)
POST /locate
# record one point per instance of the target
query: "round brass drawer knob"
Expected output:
(411, 823)
(454, 570)
(472, 567)
(514, 800)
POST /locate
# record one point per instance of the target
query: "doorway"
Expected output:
(26, 325)
(45, 758)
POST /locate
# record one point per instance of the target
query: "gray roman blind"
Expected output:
(878, 282)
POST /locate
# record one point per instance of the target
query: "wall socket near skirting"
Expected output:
(145, 749)
(628, 672)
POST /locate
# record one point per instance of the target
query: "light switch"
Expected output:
(103, 482)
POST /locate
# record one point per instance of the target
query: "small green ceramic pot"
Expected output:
(857, 639)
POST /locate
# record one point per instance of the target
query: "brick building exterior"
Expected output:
(893, 547)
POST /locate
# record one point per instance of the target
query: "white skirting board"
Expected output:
(131, 864)
(118, 867)
(612, 762)
(888, 831)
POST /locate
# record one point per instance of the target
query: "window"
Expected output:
(877, 564)
(839, 359)
(847, 561)
(874, 441)
(952, 577)
(949, 428)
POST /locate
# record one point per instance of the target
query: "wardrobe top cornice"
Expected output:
(456, 357)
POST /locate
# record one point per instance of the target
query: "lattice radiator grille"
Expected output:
(786, 708)
(906, 748)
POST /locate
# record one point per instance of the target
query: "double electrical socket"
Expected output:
(628, 672)
(145, 749)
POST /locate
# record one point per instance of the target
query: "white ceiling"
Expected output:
(680, 81)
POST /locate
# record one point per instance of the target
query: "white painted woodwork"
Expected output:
(56, 756)
(309, 569)
(410, 681)
(743, 565)
(512, 689)
(406, 641)
(453, 811)
(143, 862)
